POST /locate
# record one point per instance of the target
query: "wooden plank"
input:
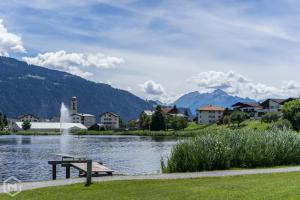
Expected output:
(65, 155)
(96, 167)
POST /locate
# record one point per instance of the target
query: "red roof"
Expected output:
(166, 110)
(211, 108)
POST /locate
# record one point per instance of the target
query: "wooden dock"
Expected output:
(86, 167)
(97, 168)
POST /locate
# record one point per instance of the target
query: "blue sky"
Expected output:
(162, 49)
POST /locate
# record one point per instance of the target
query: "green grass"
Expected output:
(193, 129)
(255, 124)
(195, 126)
(249, 187)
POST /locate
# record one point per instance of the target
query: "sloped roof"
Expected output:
(247, 104)
(211, 108)
(21, 116)
(52, 125)
(166, 110)
(114, 114)
(83, 115)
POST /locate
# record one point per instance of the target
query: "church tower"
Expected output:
(74, 105)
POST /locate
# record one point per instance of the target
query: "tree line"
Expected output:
(159, 121)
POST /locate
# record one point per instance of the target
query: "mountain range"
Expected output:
(40, 91)
(194, 100)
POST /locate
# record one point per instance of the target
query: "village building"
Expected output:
(247, 106)
(110, 120)
(27, 117)
(209, 114)
(259, 109)
(49, 126)
(181, 112)
(149, 113)
(87, 120)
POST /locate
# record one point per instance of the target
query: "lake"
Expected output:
(26, 157)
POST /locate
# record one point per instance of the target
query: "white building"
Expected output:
(86, 119)
(28, 117)
(210, 114)
(259, 109)
(110, 120)
(50, 126)
(148, 112)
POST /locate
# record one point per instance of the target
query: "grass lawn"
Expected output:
(255, 124)
(192, 130)
(267, 186)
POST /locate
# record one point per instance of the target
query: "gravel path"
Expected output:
(33, 185)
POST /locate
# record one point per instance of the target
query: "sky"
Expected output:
(162, 49)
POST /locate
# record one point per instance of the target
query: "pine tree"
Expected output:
(174, 109)
(26, 125)
(158, 120)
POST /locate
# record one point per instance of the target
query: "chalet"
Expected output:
(247, 106)
(210, 114)
(181, 112)
(259, 109)
(272, 105)
(110, 120)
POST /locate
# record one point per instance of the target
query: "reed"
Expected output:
(224, 149)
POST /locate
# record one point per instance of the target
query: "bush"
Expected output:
(94, 127)
(291, 112)
(26, 125)
(226, 120)
(281, 124)
(270, 117)
(238, 117)
(224, 149)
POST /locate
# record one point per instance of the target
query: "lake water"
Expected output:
(26, 157)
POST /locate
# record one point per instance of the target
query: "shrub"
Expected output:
(26, 125)
(270, 117)
(238, 117)
(226, 120)
(224, 149)
(281, 124)
(291, 112)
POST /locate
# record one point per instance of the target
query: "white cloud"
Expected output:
(237, 84)
(152, 88)
(74, 62)
(9, 42)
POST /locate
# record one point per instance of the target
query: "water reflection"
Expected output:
(26, 156)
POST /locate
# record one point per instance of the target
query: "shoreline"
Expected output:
(190, 175)
(110, 133)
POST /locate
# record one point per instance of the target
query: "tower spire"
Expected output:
(74, 105)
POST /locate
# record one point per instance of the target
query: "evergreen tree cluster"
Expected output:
(3, 121)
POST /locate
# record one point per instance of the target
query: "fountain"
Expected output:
(64, 129)
(64, 118)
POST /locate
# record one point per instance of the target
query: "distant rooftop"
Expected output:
(211, 108)
(84, 115)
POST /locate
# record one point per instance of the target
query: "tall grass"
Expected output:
(224, 149)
